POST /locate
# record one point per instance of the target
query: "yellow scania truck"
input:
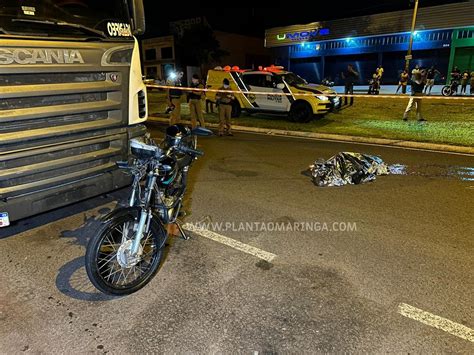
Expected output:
(71, 98)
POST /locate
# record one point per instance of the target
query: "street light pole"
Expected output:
(412, 34)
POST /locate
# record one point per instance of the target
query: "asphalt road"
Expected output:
(327, 290)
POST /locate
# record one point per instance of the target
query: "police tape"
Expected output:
(246, 93)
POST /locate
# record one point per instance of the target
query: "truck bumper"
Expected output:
(31, 202)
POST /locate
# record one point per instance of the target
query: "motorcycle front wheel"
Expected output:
(109, 263)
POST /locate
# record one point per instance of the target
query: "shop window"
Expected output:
(150, 54)
(152, 72)
(167, 53)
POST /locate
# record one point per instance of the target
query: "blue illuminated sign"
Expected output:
(303, 35)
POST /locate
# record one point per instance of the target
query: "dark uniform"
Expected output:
(174, 96)
(225, 110)
(350, 76)
(195, 106)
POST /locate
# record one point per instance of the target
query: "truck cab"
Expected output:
(72, 98)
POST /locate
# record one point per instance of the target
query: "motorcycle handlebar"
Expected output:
(191, 151)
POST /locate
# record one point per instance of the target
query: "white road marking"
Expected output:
(435, 321)
(259, 253)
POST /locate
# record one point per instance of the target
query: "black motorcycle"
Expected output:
(126, 250)
(451, 89)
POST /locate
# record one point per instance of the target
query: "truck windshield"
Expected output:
(293, 79)
(66, 18)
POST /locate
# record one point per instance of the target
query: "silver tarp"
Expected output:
(347, 168)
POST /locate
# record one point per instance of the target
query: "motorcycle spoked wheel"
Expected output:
(446, 90)
(109, 265)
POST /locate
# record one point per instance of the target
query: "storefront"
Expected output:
(444, 37)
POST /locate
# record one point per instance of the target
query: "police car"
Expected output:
(273, 90)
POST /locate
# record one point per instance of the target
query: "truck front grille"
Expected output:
(57, 128)
(63, 99)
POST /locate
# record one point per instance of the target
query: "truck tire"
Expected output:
(301, 111)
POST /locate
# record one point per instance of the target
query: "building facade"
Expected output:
(444, 37)
(158, 56)
(244, 51)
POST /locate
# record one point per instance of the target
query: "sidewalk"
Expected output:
(386, 89)
(450, 123)
(341, 138)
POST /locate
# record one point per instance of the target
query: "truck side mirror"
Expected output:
(138, 17)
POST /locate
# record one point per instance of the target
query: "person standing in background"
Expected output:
(430, 79)
(471, 83)
(195, 99)
(224, 101)
(416, 70)
(403, 82)
(455, 78)
(350, 76)
(174, 97)
(379, 73)
(417, 86)
(464, 80)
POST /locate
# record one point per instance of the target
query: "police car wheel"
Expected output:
(301, 112)
(236, 110)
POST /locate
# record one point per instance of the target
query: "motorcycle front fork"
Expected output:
(145, 214)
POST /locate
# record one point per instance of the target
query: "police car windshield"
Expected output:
(66, 18)
(293, 79)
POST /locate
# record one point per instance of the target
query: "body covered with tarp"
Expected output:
(347, 168)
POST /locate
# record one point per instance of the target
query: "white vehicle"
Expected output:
(274, 90)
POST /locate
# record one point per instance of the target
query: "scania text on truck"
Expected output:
(72, 97)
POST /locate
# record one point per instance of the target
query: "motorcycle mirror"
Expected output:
(165, 168)
(200, 131)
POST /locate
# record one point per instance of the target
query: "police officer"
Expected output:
(224, 100)
(195, 98)
(174, 97)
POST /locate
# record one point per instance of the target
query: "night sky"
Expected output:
(254, 20)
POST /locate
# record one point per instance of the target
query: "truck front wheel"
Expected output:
(301, 111)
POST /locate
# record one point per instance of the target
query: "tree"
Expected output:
(198, 46)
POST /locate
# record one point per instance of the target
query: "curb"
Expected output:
(342, 138)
